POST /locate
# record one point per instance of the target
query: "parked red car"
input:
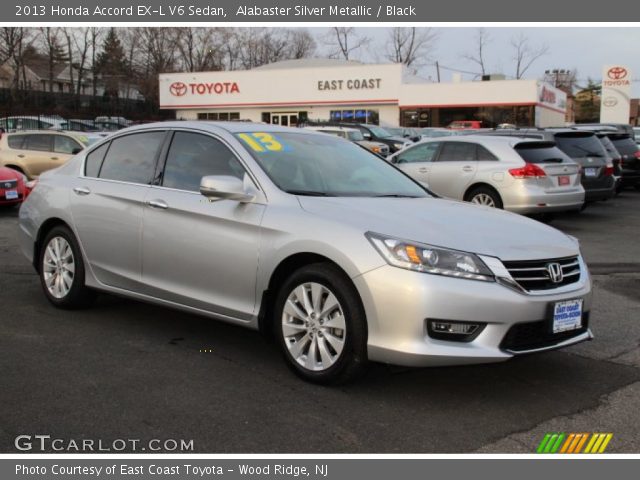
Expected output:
(13, 187)
(465, 125)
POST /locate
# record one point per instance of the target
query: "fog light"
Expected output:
(454, 331)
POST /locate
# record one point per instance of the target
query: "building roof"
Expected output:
(309, 63)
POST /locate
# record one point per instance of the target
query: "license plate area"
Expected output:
(11, 194)
(590, 172)
(567, 316)
(563, 180)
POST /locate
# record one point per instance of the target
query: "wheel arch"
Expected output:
(278, 277)
(477, 185)
(45, 228)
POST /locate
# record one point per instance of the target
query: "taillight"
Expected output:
(529, 170)
(32, 184)
(637, 154)
(608, 171)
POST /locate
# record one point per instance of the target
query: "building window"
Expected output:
(219, 116)
(355, 116)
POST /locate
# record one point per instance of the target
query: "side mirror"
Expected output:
(366, 135)
(416, 139)
(224, 187)
(76, 150)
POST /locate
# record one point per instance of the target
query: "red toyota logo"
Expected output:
(178, 89)
(617, 73)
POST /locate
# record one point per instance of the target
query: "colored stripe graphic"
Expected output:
(557, 442)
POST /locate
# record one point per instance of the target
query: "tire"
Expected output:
(334, 329)
(484, 196)
(63, 280)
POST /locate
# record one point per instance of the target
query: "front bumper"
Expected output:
(398, 302)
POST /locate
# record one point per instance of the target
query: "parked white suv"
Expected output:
(521, 175)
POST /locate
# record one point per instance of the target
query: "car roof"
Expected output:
(216, 127)
(46, 132)
(331, 127)
(486, 139)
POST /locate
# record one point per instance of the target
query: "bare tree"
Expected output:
(482, 39)
(155, 54)
(199, 49)
(525, 54)
(410, 45)
(301, 43)
(13, 43)
(81, 46)
(53, 50)
(67, 34)
(343, 42)
(95, 33)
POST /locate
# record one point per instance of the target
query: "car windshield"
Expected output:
(379, 132)
(322, 165)
(580, 146)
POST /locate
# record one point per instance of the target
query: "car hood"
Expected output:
(397, 139)
(448, 223)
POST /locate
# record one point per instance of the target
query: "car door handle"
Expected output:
(423, 170)
(467, 168)
(81, 191)
(21, 156)
(161, 204)
(54, 158)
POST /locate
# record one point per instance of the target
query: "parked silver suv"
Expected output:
(337, 253)
(519, 175)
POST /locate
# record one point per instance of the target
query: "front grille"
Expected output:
(535, 335)
(534, 275)
(7, 184)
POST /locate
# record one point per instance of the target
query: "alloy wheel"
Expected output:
(483, 199)
(313, 326)
(58, 267)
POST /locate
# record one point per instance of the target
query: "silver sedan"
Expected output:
(307, 237)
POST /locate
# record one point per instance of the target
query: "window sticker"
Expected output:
(262, 142)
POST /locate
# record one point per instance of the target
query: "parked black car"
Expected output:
(625, 144)
(583, 147)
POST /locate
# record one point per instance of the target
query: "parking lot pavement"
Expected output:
(124, 369)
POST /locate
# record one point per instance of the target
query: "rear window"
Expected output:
(579, 146)
(608, 146)
(541, 152)
(625, 145)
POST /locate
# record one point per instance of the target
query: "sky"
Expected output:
(585, 49)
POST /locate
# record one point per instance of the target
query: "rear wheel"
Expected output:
(62, 273)
(485, 196)
(320, 325)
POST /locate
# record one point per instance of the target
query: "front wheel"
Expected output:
(321, 326)
(62, 270)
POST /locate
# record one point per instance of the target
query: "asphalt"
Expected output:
(128, 370)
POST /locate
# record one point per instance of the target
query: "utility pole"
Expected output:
(438, 70)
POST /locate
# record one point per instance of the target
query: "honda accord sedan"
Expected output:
(334, 252)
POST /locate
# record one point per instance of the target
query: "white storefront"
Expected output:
(291, 92)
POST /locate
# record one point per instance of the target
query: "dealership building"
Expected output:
(295, 91)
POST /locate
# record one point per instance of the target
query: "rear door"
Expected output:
(37, 154)
(416, 161)
(107, 204)
(454, 169)
(562, 173)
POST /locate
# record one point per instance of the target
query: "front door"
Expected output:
(198, 252)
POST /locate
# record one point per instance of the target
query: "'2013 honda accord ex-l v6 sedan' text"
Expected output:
(335, 252)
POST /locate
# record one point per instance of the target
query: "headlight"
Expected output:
(429, 259)
(398, 146)
(375, 149)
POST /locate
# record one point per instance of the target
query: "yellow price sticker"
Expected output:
(262, 142)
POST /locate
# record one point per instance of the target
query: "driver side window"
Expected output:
(419, 154)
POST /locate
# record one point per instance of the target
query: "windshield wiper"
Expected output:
(308, 193)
